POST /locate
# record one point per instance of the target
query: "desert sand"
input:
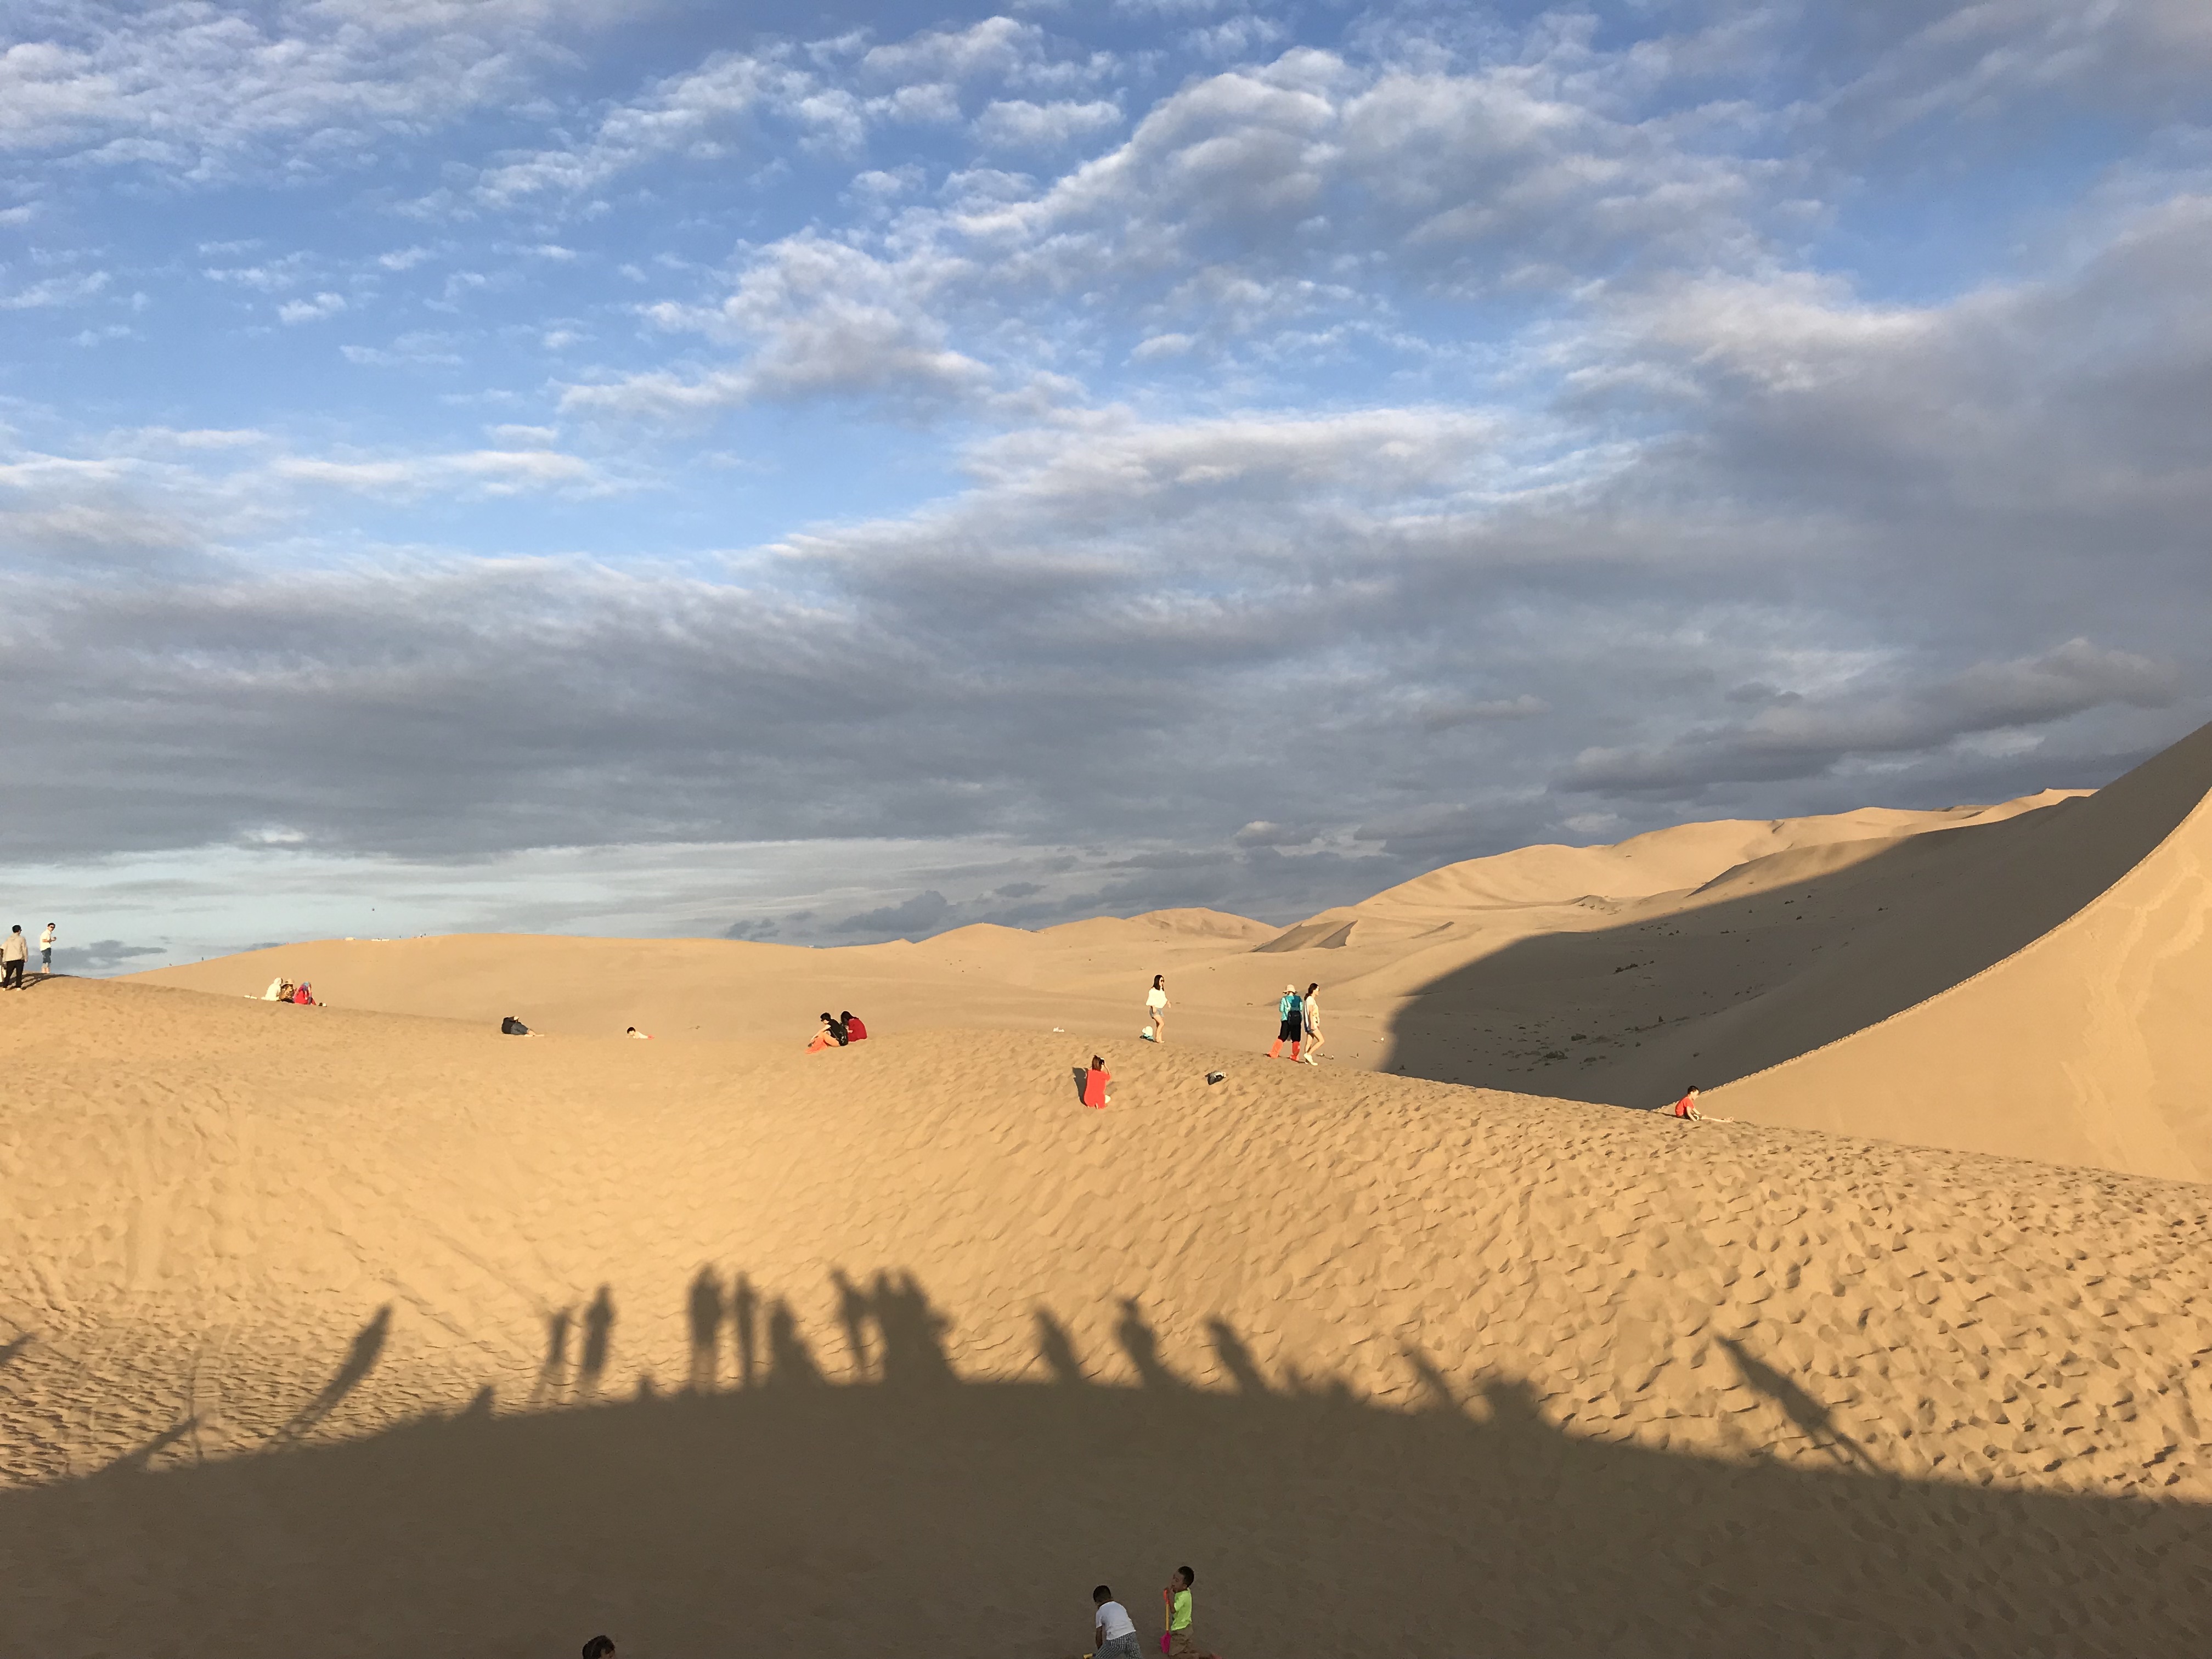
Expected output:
(2023, 979)
(362, 1328)
(348, 1333)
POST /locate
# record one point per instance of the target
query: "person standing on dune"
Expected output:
(14, 951)
(1156, 1009)
(1176, 1598)
(1292, 1030)
(46, 951)
(1312, 1010)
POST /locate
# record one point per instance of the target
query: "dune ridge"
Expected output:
(1770, 958)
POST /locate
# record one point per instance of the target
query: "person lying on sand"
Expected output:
(642, 1036)
(1177, 1599)
(1112, 1628)
(1095, 1083)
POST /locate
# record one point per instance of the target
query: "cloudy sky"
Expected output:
(608, 467)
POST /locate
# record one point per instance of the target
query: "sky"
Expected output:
(834, 472)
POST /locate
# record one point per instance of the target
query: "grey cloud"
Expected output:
(916, 918)
(102, 956)
(1802, 737)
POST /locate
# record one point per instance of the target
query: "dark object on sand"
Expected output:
(1215, 1077)
(510, 1026)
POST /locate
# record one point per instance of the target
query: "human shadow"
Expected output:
(15, 1348)
(1235, 1357)
(552, 1381)
(361, 1359)
(598, 1340)
(1141, 1343)
(854, 1310)
(744, 1322)
(913, 1332)
(1769, 962)
(838, 1520)
(1816, 1421)
(791, 1362)
(1056, 1349)
(703, 1311)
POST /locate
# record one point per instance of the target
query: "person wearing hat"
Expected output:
(1293, 1008)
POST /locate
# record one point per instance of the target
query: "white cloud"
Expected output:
(55, 291)
(1018, 124)
(488, 472)
(311, 311)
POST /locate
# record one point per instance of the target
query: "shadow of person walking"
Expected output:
(1142, 1344)
(1815, 1419)
(1057, 1349)
(1235, 1357)
(552, 1382)
(361, 1359)
(853, 1310)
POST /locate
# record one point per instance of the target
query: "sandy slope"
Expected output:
(339, 1333)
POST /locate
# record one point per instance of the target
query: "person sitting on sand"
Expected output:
(1686, 1106)
(1292, 1009)
(510, 1026)
(854, 1031)
(1156, 1009)
(831, 1035)
(1095, 1083)
(280, 990)
(1113, 1631)
(305, 996)
(1176, 1597)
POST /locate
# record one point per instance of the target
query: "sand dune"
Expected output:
(339, 1332)
(1784, 952)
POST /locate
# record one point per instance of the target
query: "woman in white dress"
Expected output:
(1156, 1009)
(1312, 1023)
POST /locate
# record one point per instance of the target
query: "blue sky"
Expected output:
(552, 465)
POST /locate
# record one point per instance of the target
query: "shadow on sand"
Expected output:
(1630, 1014)
(916, 1511)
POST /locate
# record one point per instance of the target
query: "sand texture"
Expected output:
(2026, 979)
(339, 1333)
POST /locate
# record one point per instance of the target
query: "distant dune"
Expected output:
(341, 1333)
(2020, 979)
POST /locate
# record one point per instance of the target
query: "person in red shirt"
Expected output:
(1687, 1105)
(854, 1031)
(1095, 1082)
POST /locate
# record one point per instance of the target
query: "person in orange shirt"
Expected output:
(1686, 1106)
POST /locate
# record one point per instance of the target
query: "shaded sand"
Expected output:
(343, 1333)
(2050, 951)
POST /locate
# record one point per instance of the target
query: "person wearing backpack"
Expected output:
(1292, 1009)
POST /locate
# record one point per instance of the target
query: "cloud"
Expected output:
(1018, 124)
(55, 291)
(916, 917)
(1799, 737)
(104, 956)
(492, 471)
(311, 311)
(823, 319)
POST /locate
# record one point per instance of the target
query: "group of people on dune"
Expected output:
(16, 957)
(282, 990)
(838, 1030)
(1116, 1633)
(1299, 1014)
